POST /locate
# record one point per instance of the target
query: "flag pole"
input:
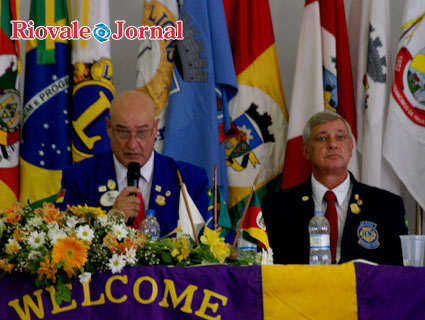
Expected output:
(215, 198)
(245, 210)
(187, 206)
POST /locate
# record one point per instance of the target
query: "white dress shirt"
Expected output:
(145, 181)
(342, 193)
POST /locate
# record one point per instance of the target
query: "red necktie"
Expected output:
(138, 220)
(332, 216)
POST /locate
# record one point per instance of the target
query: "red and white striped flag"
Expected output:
(323, 81)
(404, 142)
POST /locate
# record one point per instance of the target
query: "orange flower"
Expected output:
(13, 215)
(126, 244)
(50, 213)
(48, 268)
(71, 251)
(18, 235)
(6, 266)
(111, 242)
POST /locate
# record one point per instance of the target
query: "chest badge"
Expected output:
(368, 235)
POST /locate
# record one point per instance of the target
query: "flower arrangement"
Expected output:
(58, 246)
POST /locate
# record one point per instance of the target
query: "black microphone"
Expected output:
(133, 175)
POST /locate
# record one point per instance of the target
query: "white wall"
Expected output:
(286, 16)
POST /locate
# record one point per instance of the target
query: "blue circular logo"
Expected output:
(101, 32)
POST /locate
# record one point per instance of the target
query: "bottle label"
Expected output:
(319, 241)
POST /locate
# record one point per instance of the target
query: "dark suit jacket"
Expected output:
(370, 233)
(87, 181)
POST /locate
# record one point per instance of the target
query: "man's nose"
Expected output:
(332, 142)
(132, 142)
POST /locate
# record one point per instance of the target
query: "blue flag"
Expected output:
(203, 82)
(46, 128)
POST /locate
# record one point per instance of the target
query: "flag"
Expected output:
(184, 220)
(93, 89)
(370, 25)
(10, 114)
(223, 218)
(255, 145)
(46, 129)
(155, 60)
(404, 142)
(202, 84)
(322, 81)
(253, 222)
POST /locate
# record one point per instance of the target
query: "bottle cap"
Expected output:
(150, 212)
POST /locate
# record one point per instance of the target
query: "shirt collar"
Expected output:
(146, 172)
(341, 191)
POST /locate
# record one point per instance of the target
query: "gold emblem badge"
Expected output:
(305, 198)
(168, 193)
(112, 184)
(102, 188)
(158, 188)
(355, 208)
(356, 197)
(160, 200)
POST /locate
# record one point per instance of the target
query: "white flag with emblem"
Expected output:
(404, 140)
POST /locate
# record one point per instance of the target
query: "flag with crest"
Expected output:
(155, 60)
(255, 144)
(203, 82)
(404, 142)
(253, 222)
(9, 105)
(93, 89)
(322, 81)
(46, 107)
(369, 35)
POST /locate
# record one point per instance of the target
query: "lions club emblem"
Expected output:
(368, 235)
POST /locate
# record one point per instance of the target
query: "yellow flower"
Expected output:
(93, 210)
(210, 237)
(12, 247)
(71, 251)
(354, 208)
(48, 268)
(220, 250)
(6, 266)
(175, 252)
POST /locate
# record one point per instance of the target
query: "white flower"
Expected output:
(35, 221)
(116, 263)
(36, 239)
(85, 277)
(55, 234)
(120, 231)
(71, 222)
(34, 255)
(267, 256)
(85, 233)
(103, 221)
(130, 256)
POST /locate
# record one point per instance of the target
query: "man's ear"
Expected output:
(306, 153)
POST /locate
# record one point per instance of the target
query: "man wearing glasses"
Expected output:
(102, 179)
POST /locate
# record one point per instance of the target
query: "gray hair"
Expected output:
(322, 117)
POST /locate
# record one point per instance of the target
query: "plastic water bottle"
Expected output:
(150, 226)
(319, 230)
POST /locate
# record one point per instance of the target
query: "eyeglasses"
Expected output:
(124, 134)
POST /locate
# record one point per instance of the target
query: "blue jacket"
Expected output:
(87, 181)
(375, 220)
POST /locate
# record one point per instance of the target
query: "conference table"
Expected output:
(352, 290)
